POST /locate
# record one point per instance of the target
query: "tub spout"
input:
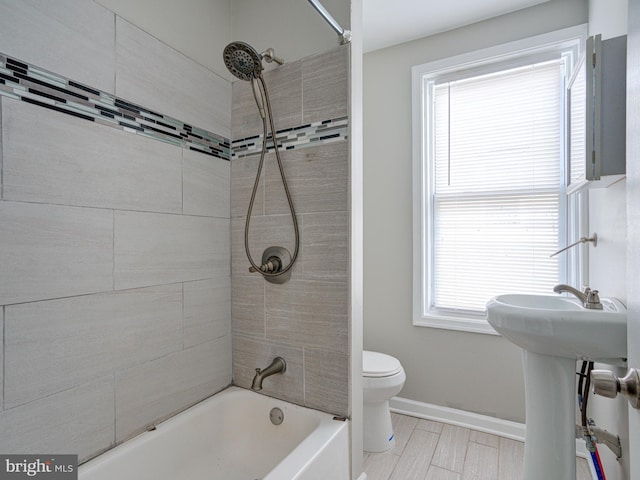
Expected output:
(277, 366)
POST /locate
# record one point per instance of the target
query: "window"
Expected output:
(490, 202)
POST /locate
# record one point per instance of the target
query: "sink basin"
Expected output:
(554, 332)
(561, 327)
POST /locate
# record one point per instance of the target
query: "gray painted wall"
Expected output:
(115, 288)
(473, 372)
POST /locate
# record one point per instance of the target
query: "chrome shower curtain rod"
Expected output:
(345, 35)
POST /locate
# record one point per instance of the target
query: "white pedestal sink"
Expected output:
(554, 333)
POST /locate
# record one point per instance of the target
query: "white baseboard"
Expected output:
(460, 418)
(475, 421)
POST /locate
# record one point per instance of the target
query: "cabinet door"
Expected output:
(596, 115)
(577, 127)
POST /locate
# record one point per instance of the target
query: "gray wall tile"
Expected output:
(251, 353)
(60, 344)
(207, 310)
(325, 247)
(182, 88)
(248, 305)
(61, 358)
(264, 231)
(1, 358)
(76, 421)
(309, 313)
(318, 179)
(152, 249)
(75, 162)
(79, 46)
(159, 388)
(243, 177)
(284, 85)
(1, 149)
(326, 380)
(325, 83)
(206, 184)
(51, 251)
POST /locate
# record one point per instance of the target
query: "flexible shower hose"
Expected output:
(265, 93)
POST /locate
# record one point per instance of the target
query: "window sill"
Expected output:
(461, 324)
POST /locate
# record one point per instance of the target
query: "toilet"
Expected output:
(382, 378)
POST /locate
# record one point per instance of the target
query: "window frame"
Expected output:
(566, 43)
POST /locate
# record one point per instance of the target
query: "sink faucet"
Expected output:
(589, 298)
(277, 366)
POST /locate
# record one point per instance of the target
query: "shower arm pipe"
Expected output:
(345, 35)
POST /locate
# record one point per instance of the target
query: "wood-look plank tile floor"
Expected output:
(427, 450)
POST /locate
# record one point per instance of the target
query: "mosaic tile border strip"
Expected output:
(308, 135)
(37, 86)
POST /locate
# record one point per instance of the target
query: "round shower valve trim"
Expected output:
(274, 260)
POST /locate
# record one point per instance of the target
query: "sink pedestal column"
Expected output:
(550, 445)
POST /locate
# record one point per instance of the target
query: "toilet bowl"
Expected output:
(382, 378)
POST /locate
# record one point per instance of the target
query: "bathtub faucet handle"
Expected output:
(277, 366)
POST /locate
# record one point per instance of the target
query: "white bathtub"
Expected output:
(230, 437)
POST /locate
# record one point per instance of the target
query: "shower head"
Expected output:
(242, 60)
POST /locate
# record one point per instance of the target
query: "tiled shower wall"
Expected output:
(306, 319)
(115, 280)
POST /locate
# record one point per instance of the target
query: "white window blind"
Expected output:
(496, 178)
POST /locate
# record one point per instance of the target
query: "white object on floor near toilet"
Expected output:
(382, 378)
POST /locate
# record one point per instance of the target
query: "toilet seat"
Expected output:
(376, 365)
